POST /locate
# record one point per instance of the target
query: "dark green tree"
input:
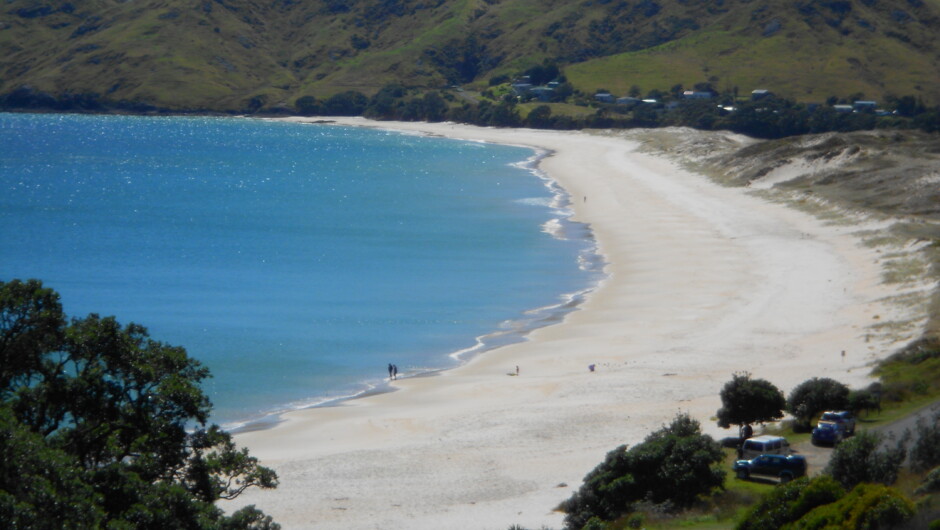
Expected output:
(35, 476)
(540, 117)
(673, 467)
(349, 103)
(435, 108)
(31, 324)
(307, 106)
(503, 114)
(864, 400)
(813, 396)
(544, 73)
(745, 401)
(562, 92)
(462, 60)
(110, 422)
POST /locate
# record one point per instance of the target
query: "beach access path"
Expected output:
(703, 281)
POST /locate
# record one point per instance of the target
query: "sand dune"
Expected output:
(704, 281)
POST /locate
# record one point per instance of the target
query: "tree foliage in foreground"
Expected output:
(789, 502)
(866, 506)
(745, 401)
(823, 503)
(108, 426)
(673, 466)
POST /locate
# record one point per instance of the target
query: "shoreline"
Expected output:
(701, 281)
(507, 333)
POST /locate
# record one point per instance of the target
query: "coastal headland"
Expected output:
(702, 281)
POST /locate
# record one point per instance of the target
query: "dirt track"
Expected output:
(817, 457)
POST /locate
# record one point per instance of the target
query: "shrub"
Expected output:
(930, 484)
(925, 453)
(865, 400)
(673, 466)
(859, 459)
(791, 501)
(866, 506)
(635, 521)
(595, 523)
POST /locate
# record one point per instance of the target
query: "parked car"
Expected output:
(828, 432)
(764, 445)
(785, 468)
(842, 417)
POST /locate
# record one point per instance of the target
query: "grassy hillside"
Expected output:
(248, 54)
(806, 51)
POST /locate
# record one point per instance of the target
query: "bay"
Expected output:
(295, 261)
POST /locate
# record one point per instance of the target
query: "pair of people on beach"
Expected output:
(392, 371)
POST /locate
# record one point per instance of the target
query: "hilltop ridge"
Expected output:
(220, 55)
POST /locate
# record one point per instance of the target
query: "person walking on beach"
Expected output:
(391, 370)
(394, 371)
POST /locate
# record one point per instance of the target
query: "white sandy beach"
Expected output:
(704, 281)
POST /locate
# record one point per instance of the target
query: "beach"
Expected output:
(702, 281)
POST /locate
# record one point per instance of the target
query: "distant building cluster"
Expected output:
(521, 87)
(865, 106)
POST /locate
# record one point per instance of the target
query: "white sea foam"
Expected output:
(546, 202)
(555, 228)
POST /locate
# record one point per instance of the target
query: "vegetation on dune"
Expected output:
(635, 487)
(822, 503)
(108, 426)
(671, 468)
(913, 372)
(864, 459)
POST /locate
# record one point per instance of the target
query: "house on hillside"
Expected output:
(605, 97)
(542, 93)
(696, 94)
(864, 106)
(521, 89)
(629, 101)
(843, 108)
(759, 94)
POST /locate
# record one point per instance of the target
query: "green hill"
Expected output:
(250, 54)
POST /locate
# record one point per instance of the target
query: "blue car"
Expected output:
(843, 418)
(828, 433)
(785, 468)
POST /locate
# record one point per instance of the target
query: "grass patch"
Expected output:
(558, 109)
(906, 269)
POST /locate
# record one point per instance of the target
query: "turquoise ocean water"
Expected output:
(295, 261)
